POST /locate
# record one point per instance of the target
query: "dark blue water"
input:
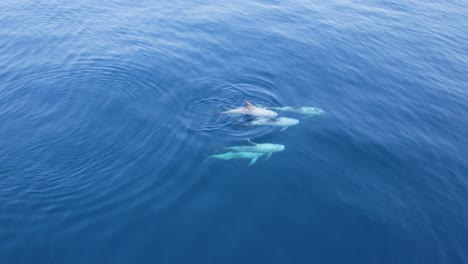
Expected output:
(109, 107)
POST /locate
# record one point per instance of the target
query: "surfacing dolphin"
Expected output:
(239, 155)
(250, 109)
(301, 110)
(283, 122)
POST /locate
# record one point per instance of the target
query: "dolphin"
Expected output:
(283, 122)
(250, 109)
(254, 147)
(253, 152)
(301, 110)
(239, 155)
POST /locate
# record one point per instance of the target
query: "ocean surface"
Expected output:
(108, 110)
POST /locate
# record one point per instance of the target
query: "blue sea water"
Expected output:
(108, 109)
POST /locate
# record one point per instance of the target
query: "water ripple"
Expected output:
(210, 97)
(63, 148)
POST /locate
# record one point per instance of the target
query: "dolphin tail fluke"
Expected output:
(252, 162)
(219, 116)
(206, 158)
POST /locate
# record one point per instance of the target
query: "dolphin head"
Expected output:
(286, 121)
(311, 111)
(276, 147)
(269, 113)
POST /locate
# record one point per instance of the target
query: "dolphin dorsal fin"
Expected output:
(249, 105)
(251, 143)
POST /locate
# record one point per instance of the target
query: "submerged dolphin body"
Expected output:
(250, 109)
(284, 122)
(253, 152)
(254, 147)
(239, 155)
(301, 110)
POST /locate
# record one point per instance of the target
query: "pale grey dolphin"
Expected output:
(301, 110)
(250, 109)
(261, 147)
(254, 151)
(239, 155)
(283, 122)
